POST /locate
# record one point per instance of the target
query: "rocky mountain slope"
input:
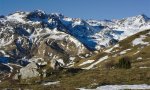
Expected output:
(136, 47)
(34, 44)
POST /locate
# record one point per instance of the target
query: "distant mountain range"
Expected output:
(94, 34)
(58, 41)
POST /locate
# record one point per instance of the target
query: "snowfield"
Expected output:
(86, 62)
(51, 83)
(121, 87)
(95, 63)
(95, 34)
(110, 49)
(140, 41)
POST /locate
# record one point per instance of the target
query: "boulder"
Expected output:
(29, 71)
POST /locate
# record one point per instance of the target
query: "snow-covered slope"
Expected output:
(120, 29)
(94, 34)
(39, 37)
(34, 44)
(28, 35)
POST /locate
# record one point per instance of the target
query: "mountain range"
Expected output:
(32, 43)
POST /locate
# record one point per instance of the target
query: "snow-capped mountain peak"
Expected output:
(59, 41)
(92, 33)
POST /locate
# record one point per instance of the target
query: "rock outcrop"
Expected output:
(30, 71)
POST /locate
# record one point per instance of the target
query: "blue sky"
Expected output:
(86, 9)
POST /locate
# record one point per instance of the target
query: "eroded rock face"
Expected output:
(27, 39)
(29, 71)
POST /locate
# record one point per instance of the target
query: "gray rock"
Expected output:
(16, 76)
(29, 71)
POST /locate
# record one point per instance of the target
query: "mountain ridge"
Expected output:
(26, 30)
(36, 45)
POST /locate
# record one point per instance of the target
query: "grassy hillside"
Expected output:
(136, 48)
(139, 53)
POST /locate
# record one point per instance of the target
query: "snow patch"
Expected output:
(16, 16)
(95, 63)
(86, 62)
(136, 52)
(125, 51)
(144, 67)
(51, 83)
(6, 42)
(109, 50)
(3, 52)
(120, 87)
(140, 41)
(139, 58)
(72, 58)
(61, 61)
